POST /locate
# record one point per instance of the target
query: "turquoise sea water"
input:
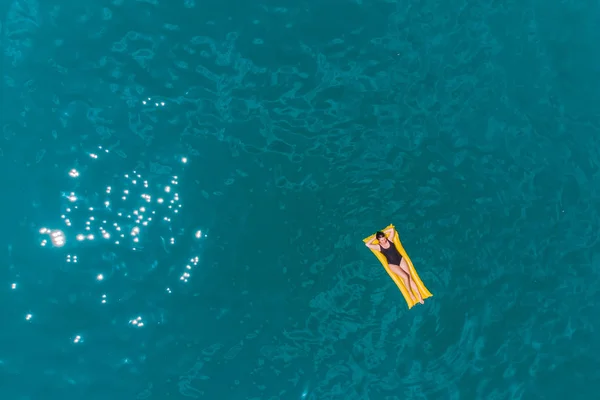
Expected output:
(228, 158)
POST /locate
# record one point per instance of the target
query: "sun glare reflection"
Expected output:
(132, 212)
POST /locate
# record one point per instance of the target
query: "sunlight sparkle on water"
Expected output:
(57, 237)
(137, 322)
(120, 213)
(156, 103)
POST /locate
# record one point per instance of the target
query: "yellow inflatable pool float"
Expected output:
(413, 273)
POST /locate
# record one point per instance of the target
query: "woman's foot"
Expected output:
(421, 301)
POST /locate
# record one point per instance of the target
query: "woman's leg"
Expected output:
(405, 278)
(413, 284)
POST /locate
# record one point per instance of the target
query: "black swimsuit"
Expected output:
(392, 254)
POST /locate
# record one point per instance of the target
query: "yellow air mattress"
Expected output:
(413, 273)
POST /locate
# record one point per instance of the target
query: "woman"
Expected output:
(396, 262)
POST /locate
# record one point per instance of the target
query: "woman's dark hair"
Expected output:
(379, 235)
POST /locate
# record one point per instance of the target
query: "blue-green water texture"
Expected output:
(185, 186)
